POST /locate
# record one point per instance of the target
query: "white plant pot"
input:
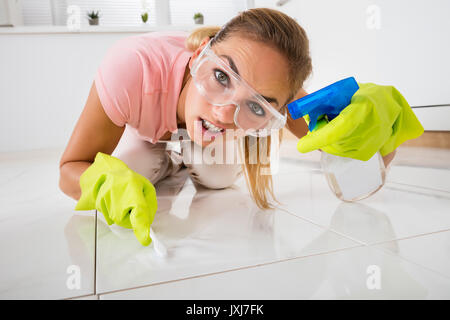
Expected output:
(11, 13)
(93, 22)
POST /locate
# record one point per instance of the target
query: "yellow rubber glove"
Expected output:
(123, 196)
(377, 119)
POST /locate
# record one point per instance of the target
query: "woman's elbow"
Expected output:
(69, 177)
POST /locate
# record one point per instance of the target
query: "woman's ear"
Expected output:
(300, 94)
(204, 41)
(198, 50)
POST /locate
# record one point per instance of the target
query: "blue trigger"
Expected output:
(329, 101)
(313, 116)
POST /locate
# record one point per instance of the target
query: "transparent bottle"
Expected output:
(353, 180)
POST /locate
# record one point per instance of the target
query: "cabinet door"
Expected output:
(405, 43)
(4, 13)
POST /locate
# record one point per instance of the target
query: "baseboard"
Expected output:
(431, 139)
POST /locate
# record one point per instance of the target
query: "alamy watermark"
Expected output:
(73, 281)
(73, 18)
(373, 281)
(373, 21)
(229, 147)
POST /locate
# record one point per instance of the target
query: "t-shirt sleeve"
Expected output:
(119, 81)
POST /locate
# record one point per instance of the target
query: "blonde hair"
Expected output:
(283, 33)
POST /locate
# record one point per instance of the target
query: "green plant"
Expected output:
(198, 15)
(93, 14)
(144, 17)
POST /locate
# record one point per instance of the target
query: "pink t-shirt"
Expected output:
(139, 82)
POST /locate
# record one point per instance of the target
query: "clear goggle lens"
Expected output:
(221, 86)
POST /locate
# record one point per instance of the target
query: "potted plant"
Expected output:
(93, 17)
(198, 18)
(144, 17)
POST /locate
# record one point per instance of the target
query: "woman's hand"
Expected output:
(377, 119)
(123, 196)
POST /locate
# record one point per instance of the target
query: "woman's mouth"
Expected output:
(211, 127)
(210, 130)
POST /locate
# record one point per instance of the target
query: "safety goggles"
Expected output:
(221, 86)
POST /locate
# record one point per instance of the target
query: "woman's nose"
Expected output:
(224, 114)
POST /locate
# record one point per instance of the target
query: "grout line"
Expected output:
(408, 237)
(230, 270)
(361, 242)
(431, 106)
(401, 163)
(401, 257)
(423, 192)
(324, 227)
(418, 186)
(82, 296)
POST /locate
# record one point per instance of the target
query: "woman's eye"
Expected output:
(256, 108)
(221, 77)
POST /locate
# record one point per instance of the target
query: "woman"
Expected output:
(240, 76)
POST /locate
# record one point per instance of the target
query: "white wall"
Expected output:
(44, 82)
(410, 50)
(45, 77)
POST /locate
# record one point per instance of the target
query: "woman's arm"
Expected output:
(299, 128)
(93, 133)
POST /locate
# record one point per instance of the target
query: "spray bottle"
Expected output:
(349, 179)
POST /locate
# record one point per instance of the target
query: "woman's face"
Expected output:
(261, 66)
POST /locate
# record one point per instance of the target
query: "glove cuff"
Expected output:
(93, 177)
(406, 126)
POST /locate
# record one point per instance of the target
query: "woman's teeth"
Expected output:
(208, 125)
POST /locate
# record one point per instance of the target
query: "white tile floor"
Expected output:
(42, 240)
(312, 246)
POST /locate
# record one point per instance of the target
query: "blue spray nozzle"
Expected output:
(329, 101)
